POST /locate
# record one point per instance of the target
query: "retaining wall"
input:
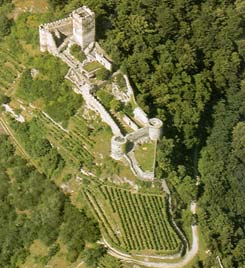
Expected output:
(138, 135)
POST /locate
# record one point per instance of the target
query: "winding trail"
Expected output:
(160, 263)
(130, 259)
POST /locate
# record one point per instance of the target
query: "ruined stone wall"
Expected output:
(101, 59)
(42, 39)
(138, 135)
(140, 116)
(129, 122)
(118, 147)
(134, 166)
(80, 27)
(105, 115)
(130, 91)
(51, 26)
(51, 46)
(92, 102)
(155, 128)
(46, 32)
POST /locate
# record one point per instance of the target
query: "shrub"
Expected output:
(72, 255)
(53, 250)
(76, 51)
(4, 99)
(115, 105)
(128, 109)
(102, 74)
(5, 25)
(105, 97)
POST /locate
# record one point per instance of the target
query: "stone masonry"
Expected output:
(79, 28)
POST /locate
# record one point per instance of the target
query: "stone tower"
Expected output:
(118, 147)
(155, 128)
(83, 26)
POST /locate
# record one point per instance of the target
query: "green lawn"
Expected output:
(144, 154)
(92, 66)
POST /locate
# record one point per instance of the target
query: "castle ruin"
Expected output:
(79, 28)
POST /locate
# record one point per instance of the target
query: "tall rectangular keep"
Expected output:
(83, 26)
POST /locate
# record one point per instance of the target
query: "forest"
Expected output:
(33, 207)
(185, 59)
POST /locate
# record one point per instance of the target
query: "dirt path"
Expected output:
(190, 254)
(187, 258)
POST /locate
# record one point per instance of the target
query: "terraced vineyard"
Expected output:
(72, 144)
(133, 221)
(10, 69)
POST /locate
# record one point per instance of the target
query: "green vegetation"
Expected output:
(93, 255)
(11, 69)
(57, 3)
(109, 261)
(92, 66)
(33, 207)
(19, 51)
(108, 100)
(144, 154)
(105, 98)
(4, 99)
(185, 60)
(33, 137)
(22, 36)
(50, 85)
(133, 221)
(37, 136)
(102, 74)
(5, 25)
(77, 52)
(73, 145)
(120, 81)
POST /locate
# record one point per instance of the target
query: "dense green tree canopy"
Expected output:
(185, 60)
(5, 24)
(33, 207)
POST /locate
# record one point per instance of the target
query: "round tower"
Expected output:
(155, 128)
(118, 147)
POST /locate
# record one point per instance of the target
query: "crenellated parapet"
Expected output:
(79, 28)
(56, 24)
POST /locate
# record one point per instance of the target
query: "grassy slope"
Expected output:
(144, 154)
